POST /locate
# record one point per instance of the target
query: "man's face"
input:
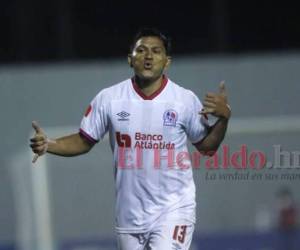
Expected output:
(149, 58)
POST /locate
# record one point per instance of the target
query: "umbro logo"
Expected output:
(123, 116)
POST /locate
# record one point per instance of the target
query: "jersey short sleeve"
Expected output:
(94, 124)
(196, 124)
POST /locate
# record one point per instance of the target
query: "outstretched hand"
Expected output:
(216, 103)
(39, 143)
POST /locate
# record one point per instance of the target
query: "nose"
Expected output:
(149, 54)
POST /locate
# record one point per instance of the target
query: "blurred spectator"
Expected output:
(287, 219)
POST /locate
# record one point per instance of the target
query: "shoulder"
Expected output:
(187, 96)
(113, 92)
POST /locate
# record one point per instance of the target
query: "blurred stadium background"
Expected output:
(56, 55)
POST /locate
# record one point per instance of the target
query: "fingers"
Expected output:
(216, 103)
(38, 138)
(38, 146)
(208, 104)
(36, 127)
(35, 157)
(39, 142)
(35, 144)
(39, 149)
(206, 111)
(210, 95)
(210, 99)
(222, 88)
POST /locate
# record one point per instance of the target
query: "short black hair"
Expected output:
(152, 32)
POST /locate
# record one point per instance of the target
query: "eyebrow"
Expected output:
(154, 47)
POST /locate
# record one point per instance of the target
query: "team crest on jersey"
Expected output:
(170, 118)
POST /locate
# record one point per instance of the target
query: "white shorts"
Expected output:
(170, 235)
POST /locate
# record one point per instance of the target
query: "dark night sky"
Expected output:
(57, 30)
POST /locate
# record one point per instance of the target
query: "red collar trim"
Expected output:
(152, 96)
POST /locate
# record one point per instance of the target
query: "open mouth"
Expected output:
(148, 65)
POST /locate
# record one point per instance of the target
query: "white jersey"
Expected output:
(148, 137)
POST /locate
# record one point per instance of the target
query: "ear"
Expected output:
(169, 59)
(129, 59)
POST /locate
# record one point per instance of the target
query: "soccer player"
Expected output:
(149, 119)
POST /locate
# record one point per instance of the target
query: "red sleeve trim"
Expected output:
(87, 136)
(88, 110)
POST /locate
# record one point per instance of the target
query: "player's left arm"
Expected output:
(215, 104)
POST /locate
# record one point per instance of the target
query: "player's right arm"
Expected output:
(71, 145)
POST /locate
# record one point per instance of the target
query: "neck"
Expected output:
(148, 87)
